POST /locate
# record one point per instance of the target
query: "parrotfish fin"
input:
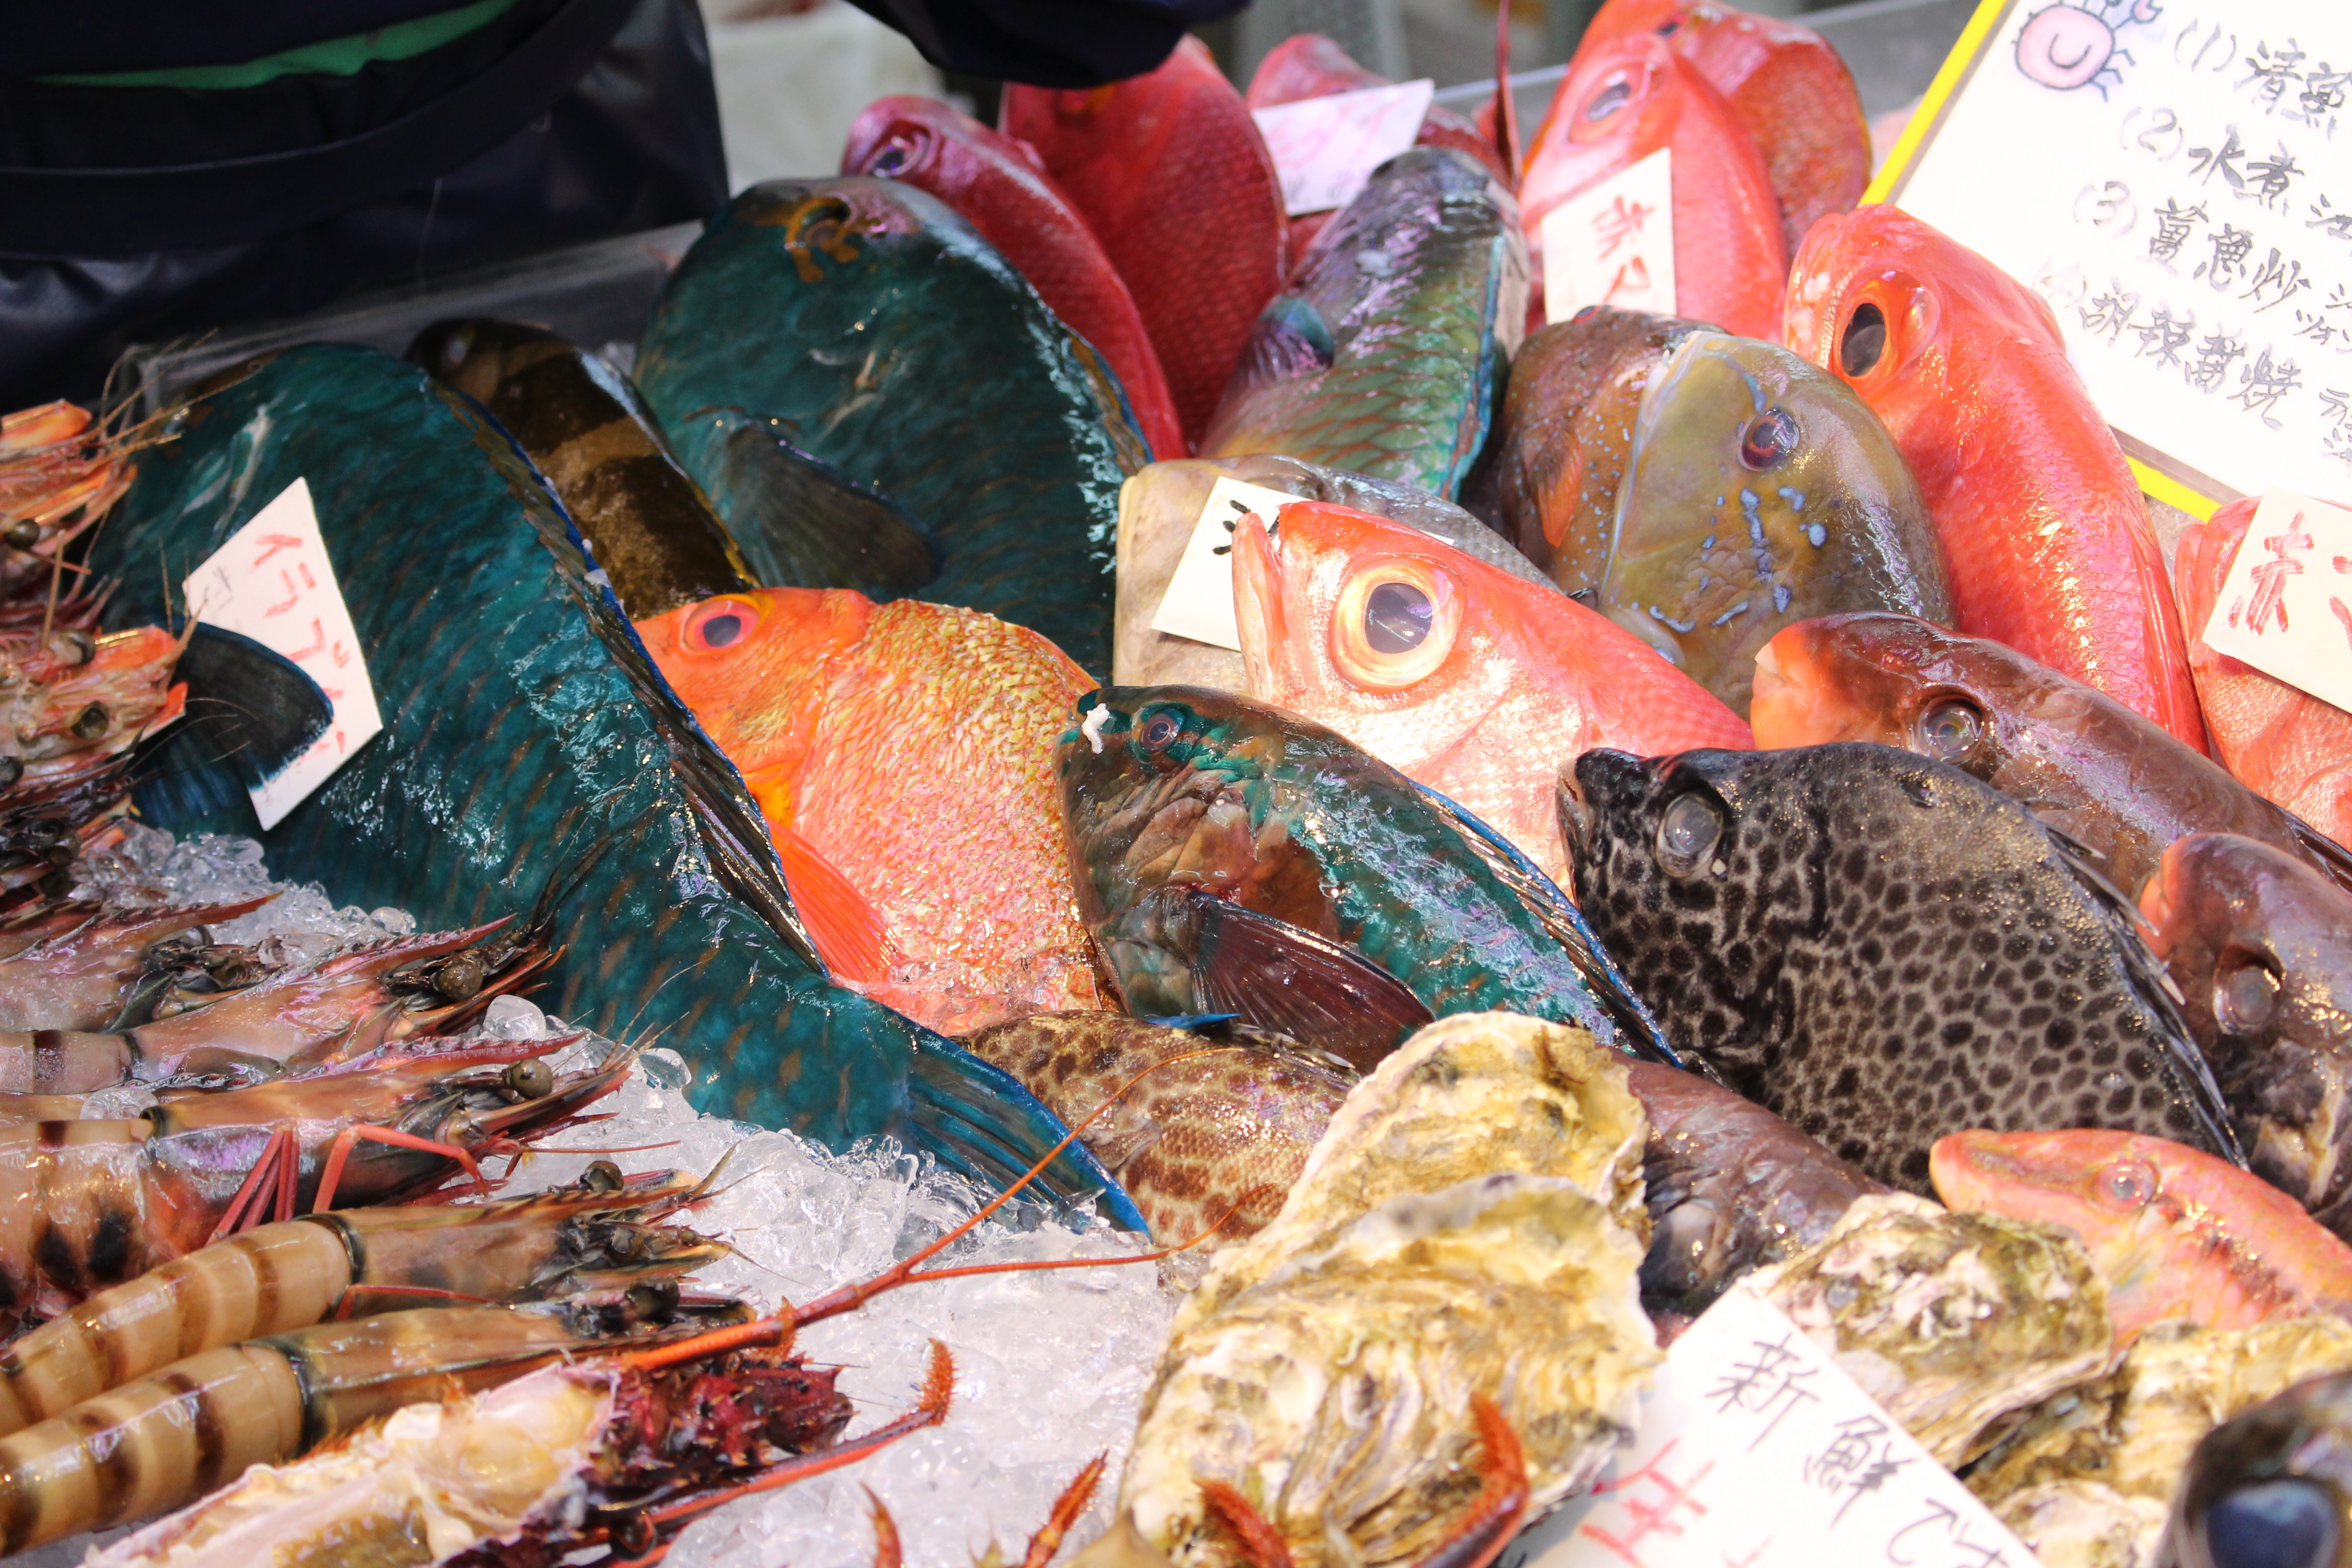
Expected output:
(2145, 973)
(2323, 851)
(1291, 340)
(977, 1118)
(1282, 977)
(254, 706)
(803, 523)
(845, 926)
(1565, 921)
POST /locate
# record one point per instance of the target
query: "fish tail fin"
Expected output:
(845, 926)
(976, 1118)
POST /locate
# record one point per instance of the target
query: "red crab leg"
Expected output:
(888, 1553)
(1067, 1509)
(340, 1153)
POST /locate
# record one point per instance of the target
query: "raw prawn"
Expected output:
(80, 964)
(59, 472)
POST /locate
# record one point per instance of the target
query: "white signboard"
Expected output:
(1198, 603)
(2175, 180)
(1614, 244)
(2286, 605)
(272, 582)
(1325, 149)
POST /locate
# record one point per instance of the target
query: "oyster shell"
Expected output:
(1952, 1322)
(1471, 1224)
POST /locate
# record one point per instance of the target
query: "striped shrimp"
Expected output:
(85, 1204)
(602, 1235)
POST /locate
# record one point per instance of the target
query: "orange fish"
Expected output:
(903, 755)
(1172, 174)
(1481, 685)
(2040, 520)
(2281, 742)
(1620, 103)
(1788, 88)
(2175, 1233)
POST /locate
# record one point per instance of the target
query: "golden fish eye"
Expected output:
(1394, 624)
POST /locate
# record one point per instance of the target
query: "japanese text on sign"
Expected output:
(1753, 1449)
(1325, 149)
(272, 582)
(2286, 605)
(1614, 244)
(1198, 603)
(2170, 180)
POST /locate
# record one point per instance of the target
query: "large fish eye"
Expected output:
(1396, 616)
(1769, 437)
(894, 157)
(716, 625)
(2288, 1523)
(1160, 732)
(1949, 729)
(2128, 1184)
(1612, 97)
(1394, 623)
(2245, 993)
(1863, 343)
(1688, 832)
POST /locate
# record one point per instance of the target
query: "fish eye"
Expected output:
(718, 624)
(1688, 832)
(2245, 993)
(894, 158)
(1612, 98)
(1160, 732)
(1863, 343)
(2286, 1522)
(1769, 437)
(455, 348)
(1949, 729)
(1397, 617)
(2128, 1184)
(1394, 623)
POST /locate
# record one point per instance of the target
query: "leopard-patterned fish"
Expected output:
(1880, 948)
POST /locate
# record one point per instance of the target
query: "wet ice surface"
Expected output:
(1050, 1366)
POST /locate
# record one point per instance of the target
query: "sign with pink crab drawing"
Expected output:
(2174, 177)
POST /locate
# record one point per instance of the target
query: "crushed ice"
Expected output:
(1050, 1366)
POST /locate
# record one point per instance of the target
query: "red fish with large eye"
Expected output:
(1481, 685)
(998, 185)
(1788, 88)
(1172, 176)
(2040, 520)
(903, 756)
(1619, 104)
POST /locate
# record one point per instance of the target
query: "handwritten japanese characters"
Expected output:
(272, 582)
(1198, 603)
(2170, 180)
(1614, 244)
(1754, 1450)
(2286, 605)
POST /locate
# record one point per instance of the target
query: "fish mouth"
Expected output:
(1960, 1166)
(2161, 904)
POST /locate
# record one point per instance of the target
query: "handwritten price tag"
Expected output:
(2286, 605)
(1198, 603)
(273, 583)
(1754, 1450)
(1614, 244)
(1325, 149)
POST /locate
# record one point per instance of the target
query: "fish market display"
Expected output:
(1160, 507)
(2284, 742)
(1172, 175)
(1479, 684)
(995, 438)
(1785, 84)
(2044, 530)
(1631, 97)
(2268, 1485)
(2110, 779)
(994, 184)
(1950, 1321)
(2259, 946)
(2087, 1477)
(588, 433)
(902, 755)
(1386, 351)
(1731, 1187)
(59, 472)
(2175, 1233)
(528, 742)
(1880, 948)
(1208, 1137)
(1459, 1256)
(1230, 859)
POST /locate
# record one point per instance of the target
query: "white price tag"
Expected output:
(1614, 244)
(1198, 603)
(2286, 605)
(1325, 149)
(1754, 1450)
(272, 582)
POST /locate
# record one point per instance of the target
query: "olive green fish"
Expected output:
(1386, 352)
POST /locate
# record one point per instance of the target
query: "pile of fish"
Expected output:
(1726, 801)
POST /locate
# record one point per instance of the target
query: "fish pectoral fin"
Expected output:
(845, 926)
(253, 704)
(1279, 977)
(2321, 850)
(803, 523)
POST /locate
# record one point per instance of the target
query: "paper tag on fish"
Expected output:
(2286, 605)
(272, 582)
(1325, 149)
(1614, 244)
(1753, 1451)
(1198, 603)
